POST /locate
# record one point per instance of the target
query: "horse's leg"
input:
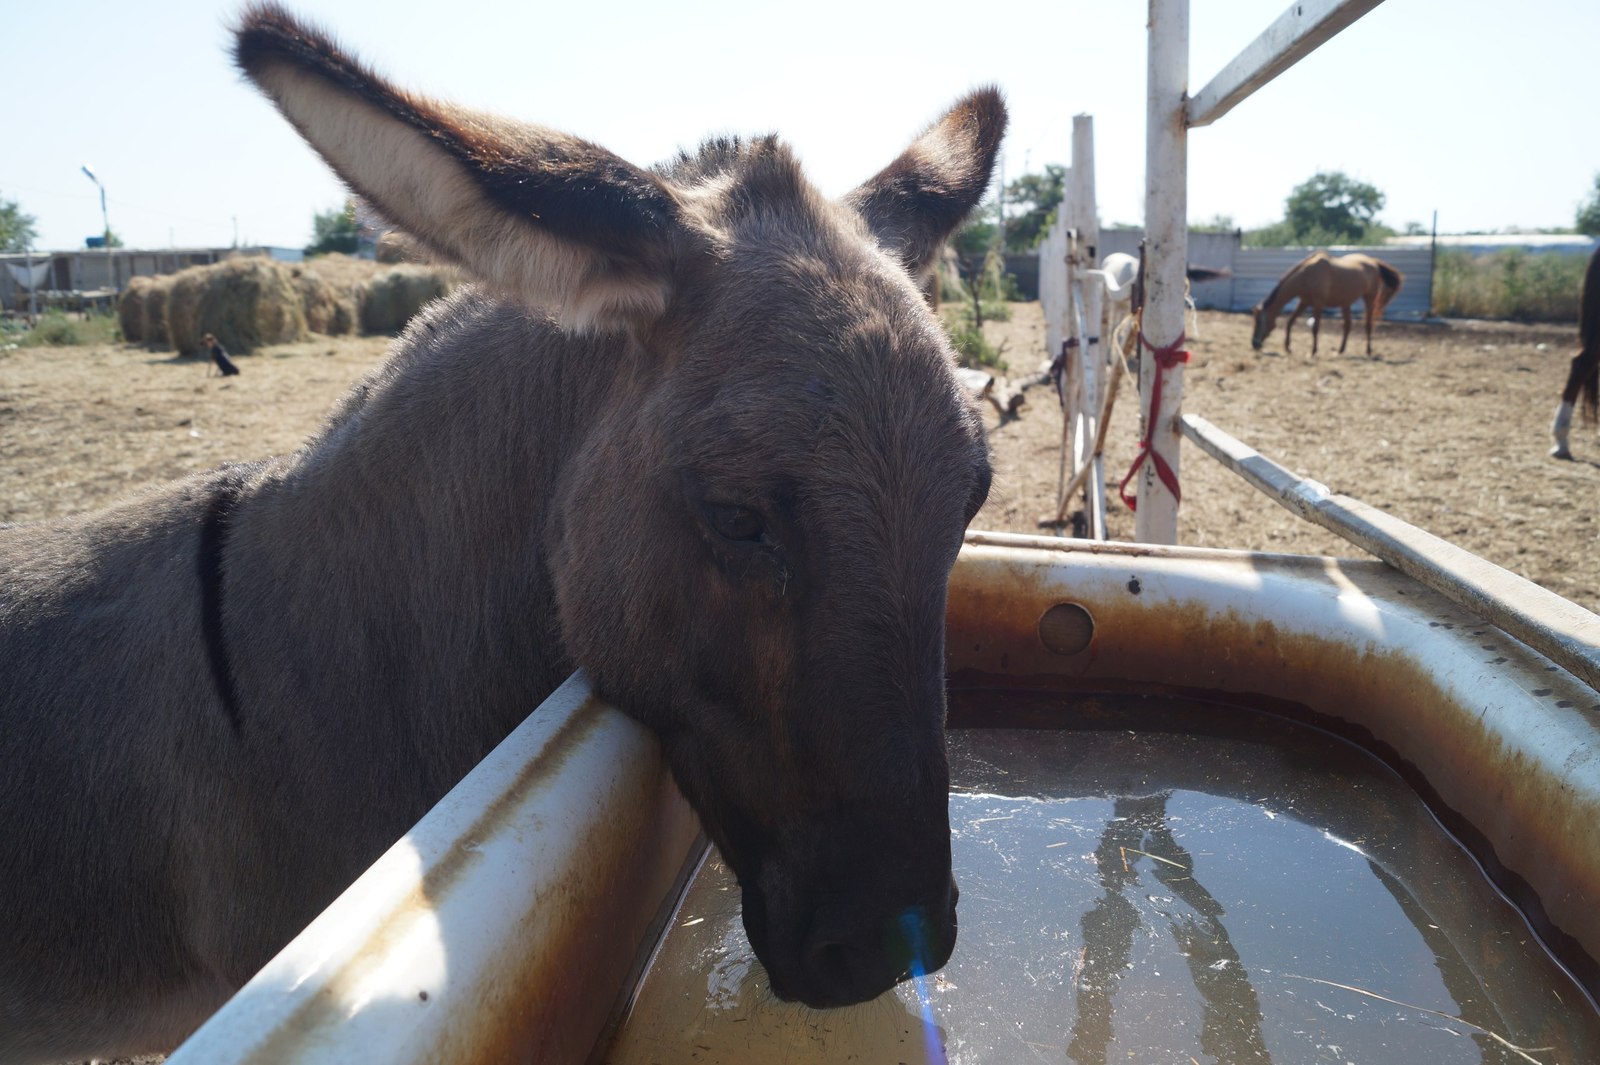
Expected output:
(1374, 307)
(1585, 371)
(1345, 339)
(1559, 430)
(1288, 326)
(1316, 328)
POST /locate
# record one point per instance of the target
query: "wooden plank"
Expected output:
(1294, 35)
(1557, 628)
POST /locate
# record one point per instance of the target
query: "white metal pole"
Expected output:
(1166, 253)
(1091, 290)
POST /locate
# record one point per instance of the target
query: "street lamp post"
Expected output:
(111, 270)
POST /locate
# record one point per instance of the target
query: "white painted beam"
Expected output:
(1166, 253)
(1555, 627)
(1294, 35)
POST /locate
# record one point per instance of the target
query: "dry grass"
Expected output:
(81, 427)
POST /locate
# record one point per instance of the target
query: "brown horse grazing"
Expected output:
(697, 433)
(1584, 376)
(1321, 281)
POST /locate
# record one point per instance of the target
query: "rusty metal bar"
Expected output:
(1294, 35)
(1555, 627)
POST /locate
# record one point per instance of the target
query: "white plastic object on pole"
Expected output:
(500, 928)
(1292, 36)
(1166, 256)
(1089, 296)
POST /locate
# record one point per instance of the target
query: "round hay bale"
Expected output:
(396, 246)
(399, 292)
(332, 288)
(130, 308)
(153, 313)
(247, 302)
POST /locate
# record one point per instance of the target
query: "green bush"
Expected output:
(1511, 284)
(55, 329)
(973, 350)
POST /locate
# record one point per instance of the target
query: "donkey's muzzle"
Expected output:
(847, 957)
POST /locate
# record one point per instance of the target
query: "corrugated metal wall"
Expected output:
(1216, 250)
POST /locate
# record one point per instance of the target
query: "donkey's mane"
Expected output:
(718, 156)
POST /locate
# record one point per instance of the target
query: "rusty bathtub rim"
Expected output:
(1004, 583)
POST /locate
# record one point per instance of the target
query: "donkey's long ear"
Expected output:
(918, 200)
(547, 218)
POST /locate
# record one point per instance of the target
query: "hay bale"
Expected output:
(332, 290)
(399, 292)
(247, 302)
(396, 246)
(153, 313)
(130, 308)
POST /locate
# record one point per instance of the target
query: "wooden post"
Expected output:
(1166, 254)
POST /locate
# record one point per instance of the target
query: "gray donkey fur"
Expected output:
(695, 432)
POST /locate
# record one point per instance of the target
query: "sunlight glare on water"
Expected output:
(911, 926)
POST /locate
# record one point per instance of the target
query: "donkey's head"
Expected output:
(752, 544)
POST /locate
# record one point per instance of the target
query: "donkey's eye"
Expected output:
(739, 524)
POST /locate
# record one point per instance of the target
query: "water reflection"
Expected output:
(1135, 896)
(1231, 1016)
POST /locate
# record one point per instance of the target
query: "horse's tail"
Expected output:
(1589, 313)
(1589, 339)
(1391, 279)
(1197, 274)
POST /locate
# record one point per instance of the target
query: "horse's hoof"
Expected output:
(1559, 452)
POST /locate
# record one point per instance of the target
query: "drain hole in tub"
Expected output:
(1066, 629)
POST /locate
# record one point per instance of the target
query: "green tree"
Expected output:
(16, 229)
(1035, 198)
(334, 230)
(1332, 204)
(1588, 220)
(113, 240)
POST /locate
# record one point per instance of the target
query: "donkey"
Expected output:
(1583, 376)
(1320, 281)
(696, 432)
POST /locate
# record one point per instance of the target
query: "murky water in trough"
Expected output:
(1136, 896)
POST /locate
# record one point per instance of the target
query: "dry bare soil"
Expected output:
(1445, 428)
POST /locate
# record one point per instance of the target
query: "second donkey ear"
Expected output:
(549, 219)
(916, 202)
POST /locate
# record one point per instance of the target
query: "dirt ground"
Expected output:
(1445, 428)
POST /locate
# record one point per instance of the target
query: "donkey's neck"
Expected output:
(397, 561)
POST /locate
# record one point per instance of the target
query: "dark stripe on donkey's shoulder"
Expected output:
(214, 529)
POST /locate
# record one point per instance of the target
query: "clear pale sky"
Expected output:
(1485, 111)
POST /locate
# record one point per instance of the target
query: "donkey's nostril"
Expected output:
(831, 964)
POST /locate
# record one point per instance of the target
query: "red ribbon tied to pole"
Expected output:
(1166, 358)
